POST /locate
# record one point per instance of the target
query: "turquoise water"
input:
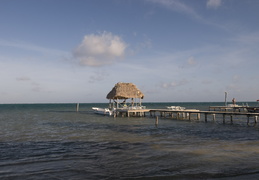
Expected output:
(53, 141)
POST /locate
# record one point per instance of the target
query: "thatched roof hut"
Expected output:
(125, 91)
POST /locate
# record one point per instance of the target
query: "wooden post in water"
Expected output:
(214, 117)
(231, 119)
(77, 107)
(156, 123)
(198, 116)
(178, 115)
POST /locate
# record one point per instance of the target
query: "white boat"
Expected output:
(102, 111)
(110, 112)
(254, 109)
(175, 108)
(134, 107)
(233, 105)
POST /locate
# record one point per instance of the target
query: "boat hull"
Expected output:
(253, 109)
(102, 111)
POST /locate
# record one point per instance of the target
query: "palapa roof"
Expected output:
(125, 91)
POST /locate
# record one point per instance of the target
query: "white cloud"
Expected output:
(180, 7)
(213, 3)
(191, 61)
(35, 87)
(23, 78)
(249, 38)
(98, 76)
(146, 44)
(32, 48)
(175, 84)
(177, 6)
(99, 50)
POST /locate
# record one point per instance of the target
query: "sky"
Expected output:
(67, 51)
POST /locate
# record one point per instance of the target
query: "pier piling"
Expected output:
(224, 118)
(214, 117)
(156, 123)
(77, 107)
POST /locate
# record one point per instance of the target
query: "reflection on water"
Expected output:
(55, 142)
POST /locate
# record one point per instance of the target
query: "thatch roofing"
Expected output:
(125, 91)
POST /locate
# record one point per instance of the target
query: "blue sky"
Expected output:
(66, 51)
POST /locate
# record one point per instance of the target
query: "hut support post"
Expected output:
(110, 105)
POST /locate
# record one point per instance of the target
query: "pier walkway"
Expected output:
(186, 114)
(228, 108)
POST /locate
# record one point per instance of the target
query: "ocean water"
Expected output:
(53, 141)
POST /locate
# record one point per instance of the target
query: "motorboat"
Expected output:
(253, 109)
(102, 111)
(233, 105)
(175, 108)
(111, 111)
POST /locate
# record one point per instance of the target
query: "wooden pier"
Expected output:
(178, 114)
(228, 108)
(131, 112)
(186, 114)
(230, 114)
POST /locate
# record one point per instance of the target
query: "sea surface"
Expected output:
(53, 141)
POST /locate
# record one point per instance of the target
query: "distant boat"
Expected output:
(233, 105)
(254, 109)
(175, 108)
(102, 111)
